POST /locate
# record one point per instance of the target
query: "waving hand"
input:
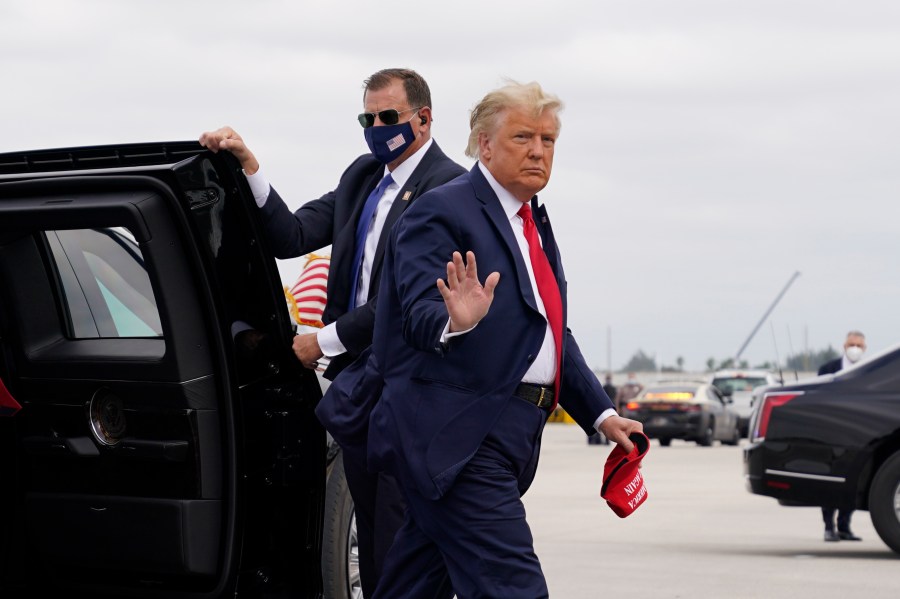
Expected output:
(467, 300)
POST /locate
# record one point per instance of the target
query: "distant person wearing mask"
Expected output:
(854, 347)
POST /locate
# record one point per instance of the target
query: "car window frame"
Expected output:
(86, 310)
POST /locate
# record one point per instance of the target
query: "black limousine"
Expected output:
(833, 441)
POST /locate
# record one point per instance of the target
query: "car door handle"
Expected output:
(84, 447)
(162, 450)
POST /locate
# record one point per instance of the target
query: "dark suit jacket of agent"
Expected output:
(331, 220)
(844, 515)
(832, 366)
(438, 403)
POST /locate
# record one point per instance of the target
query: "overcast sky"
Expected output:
(709, 149)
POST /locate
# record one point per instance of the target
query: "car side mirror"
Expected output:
(727, 392)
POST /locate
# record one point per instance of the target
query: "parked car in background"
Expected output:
(150, 445)
(739, 385)
(833, 441)
(690, 410)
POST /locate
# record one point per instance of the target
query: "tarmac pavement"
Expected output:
(699, 534)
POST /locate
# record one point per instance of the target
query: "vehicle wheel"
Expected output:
(706, 439)
(735, 437)
(665, 441)
(884, 502)
(340, 549)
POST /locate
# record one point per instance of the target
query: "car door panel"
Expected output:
(155, 454)
(122, 437)
(171, 536)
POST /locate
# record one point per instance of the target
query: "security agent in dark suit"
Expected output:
(355, 219)
(854, 347)
(471, 371)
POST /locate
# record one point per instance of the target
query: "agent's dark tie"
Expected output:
(362, 227)
(547, 287)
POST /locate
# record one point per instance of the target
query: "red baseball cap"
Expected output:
(623, 484)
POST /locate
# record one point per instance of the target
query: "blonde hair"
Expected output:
(485, 117)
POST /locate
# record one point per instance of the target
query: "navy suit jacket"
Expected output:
(438, 403)
(331, 220)
(831, 366)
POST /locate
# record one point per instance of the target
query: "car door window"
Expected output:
(105, 289)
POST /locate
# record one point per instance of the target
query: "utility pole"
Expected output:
(609, 349)
(805, 348)
(737, 356)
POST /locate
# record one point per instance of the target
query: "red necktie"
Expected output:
(547, 287)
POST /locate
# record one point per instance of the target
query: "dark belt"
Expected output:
(540, 396)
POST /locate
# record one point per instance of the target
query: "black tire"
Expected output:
(706, 439)
(340, 552)
(735, 437)
(665, 441)
(884, 502)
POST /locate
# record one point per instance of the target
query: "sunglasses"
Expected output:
(388, 117)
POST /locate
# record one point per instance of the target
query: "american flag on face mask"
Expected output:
(306, 297)
(395, 142)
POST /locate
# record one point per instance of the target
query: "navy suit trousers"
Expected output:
(475, 536)
(843, 519)
(378, 506)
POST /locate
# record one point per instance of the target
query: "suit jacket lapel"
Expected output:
(542, 222)
(369, 187)
(400, 204)
(500, 221)
(403, 200)
(347, 236)
(343, 246)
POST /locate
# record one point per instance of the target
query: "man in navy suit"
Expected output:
(854, 346)
(355, 219)
(470, 370)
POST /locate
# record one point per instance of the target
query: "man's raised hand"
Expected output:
(467, 300)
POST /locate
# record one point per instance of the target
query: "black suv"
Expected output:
(833, 441)
(162, 448)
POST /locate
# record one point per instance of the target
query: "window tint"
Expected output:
(106, 291)
(739, 383)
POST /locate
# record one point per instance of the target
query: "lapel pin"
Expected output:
(407, 195)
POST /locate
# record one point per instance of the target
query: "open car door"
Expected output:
(166, 444)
